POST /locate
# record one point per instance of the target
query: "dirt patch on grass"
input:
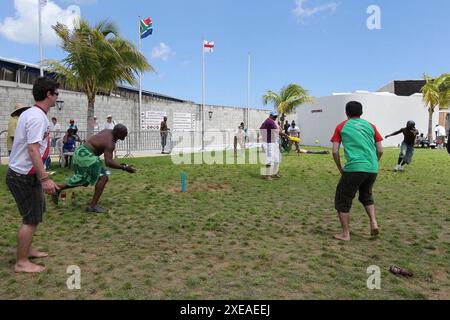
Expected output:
(201, 187)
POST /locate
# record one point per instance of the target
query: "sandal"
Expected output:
(400, 271)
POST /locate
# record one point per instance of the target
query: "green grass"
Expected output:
(236, 236)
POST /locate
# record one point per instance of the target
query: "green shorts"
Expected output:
(87, 166)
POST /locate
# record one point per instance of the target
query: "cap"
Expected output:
(274, 114)
(109, 116)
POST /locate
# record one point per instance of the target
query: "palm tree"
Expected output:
(289, 98)
(436, 92)
(98, 59)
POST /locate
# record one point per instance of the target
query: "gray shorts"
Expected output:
(29, 196)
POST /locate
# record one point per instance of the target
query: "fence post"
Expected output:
(128, 154)
(1, 132)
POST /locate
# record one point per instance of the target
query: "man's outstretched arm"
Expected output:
(112, 164)
(394, 134)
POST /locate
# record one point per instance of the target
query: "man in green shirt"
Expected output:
(363, 150)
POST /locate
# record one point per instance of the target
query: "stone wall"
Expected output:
(124, 111)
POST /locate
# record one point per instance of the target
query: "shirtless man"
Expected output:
(88, 166)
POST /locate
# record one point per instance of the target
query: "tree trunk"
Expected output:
(430, 124)
(90, 116)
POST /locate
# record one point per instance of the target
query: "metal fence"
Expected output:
(150, 141)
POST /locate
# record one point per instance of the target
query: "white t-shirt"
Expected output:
(32, 127)
(440, 131)
(294, 131)
(109, 125)
(55, 129)
(240, 134)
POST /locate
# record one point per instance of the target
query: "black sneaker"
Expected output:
(55, 197)
(97, 209)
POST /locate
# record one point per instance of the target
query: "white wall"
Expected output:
(387, 112)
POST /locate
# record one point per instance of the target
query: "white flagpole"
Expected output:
(248, 89)
(41, 54)
(203, 95)
(140, 76)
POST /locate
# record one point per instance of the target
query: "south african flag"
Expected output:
(146, 28)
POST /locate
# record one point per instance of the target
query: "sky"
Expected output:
(325, 46)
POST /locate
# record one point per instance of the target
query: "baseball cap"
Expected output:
(109, 116)
(274, 114)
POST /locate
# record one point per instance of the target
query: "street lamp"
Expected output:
(59, 104)
(210, 113)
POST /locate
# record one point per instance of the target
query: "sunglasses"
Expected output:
(56, 94)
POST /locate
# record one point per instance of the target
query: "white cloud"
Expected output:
(163, 52)
(301, 12)
(23, 27)
(81, 2)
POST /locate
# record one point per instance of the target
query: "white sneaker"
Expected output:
(401, 168)
(397, 167)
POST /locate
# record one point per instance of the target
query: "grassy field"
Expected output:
(236, 236)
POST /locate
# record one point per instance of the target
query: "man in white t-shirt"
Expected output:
(26, 177)
(239, 138)
(96, 125)
(294, 132)
(109, 124)
(440, 136)
(55, 130)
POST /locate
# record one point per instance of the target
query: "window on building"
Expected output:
(7, 75)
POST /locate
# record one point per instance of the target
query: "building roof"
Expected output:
(404, 87)
(34, 68)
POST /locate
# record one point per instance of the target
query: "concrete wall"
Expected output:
(126, 111)
(387, 112)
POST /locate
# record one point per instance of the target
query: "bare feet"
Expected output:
(28, 267)
(37, 254)
(342, 237)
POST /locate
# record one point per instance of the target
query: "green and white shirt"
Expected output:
(359, 138)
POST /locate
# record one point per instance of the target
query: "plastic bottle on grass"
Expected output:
(63, 198)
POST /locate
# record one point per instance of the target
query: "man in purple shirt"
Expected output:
(270, 134)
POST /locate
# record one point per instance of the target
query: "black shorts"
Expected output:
(29, 196)
(350, 183)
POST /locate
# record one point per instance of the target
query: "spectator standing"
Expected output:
(96, 125)
(20, 108)
(164, 132)
(294, 132)
(440, 136)
(55, 130)
(109, 124)
(286, 127)
(270, 134)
